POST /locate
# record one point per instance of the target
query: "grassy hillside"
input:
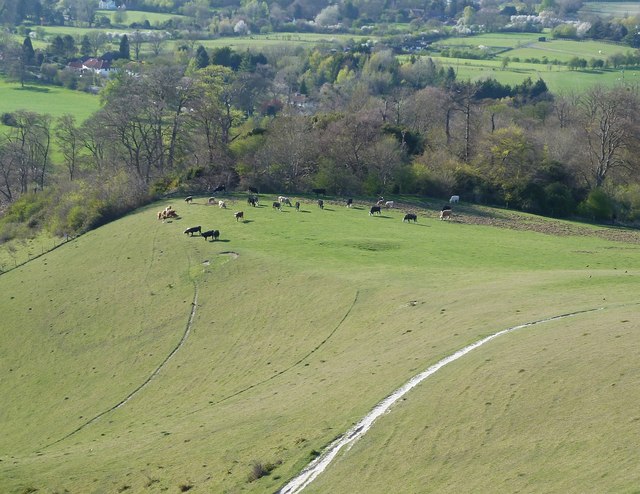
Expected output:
(136, 358)
(525, 46)
(53, 100)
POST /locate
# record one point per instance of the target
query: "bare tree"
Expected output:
(609, 123)
(156, 42)
(69, 142)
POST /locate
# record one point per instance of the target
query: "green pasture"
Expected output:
(263, 41)
(136, 358)
(610, 9)
(502, 40)
(49, 99)
(564, 50)
(131, 16)
(557, 77)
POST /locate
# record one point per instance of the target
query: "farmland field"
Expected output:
(526, 46)
(610, 9)
(49, 99)
(137, 358)
(558, 78)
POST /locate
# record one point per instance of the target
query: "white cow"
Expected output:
(454, 199)
(222, 204)
(388, 204)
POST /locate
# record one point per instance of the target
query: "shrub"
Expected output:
(9, 119)
(559, 201)
(597, 206)
(259, 470)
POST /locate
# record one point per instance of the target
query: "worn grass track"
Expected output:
(319, 317)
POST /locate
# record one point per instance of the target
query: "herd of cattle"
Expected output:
(253, 200)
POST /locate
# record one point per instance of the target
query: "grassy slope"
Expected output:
(52, 100)
(526, 45)
(322, 315)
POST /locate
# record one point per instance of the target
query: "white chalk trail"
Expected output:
(317, 466)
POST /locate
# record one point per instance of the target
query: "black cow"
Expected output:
(410, 217)
(220, 188)
(297, 205)
(349, 202)
(276, 205)
(252, 201)
(319, 192)
(214, 234)
(188, 199)
(320, 203)
(374, 209)
(446, 207)
(193, 229)
(239, 215)
(253, 189)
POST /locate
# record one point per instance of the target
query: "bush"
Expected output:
(559, 201)
(9, 119)
(597, 206)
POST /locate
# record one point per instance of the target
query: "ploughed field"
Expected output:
(138, 358)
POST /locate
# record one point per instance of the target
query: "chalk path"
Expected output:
(318, 465)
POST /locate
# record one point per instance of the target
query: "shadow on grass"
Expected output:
(33, 89)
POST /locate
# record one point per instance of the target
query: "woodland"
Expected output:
(357, 120)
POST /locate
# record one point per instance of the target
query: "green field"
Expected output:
(558, 78)
(139, 359)
(49, 99)
(526, 46)
(610, 9)
(131, 16)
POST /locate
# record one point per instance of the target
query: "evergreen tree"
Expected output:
(85, 46)
(57, 46)
(202, 57)
(28, 54)
(69, 46)
(124, 48)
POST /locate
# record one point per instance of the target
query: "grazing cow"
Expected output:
(214, 234)
(319, 192)
(388, 204)
(212, 200)
(251, 201)
(349, 202)
(454, 199)
(410, 217)
(220, 188)
(287, 201)
(170, 213)
(222, 205)
(374, 209)
(188, 199)
(320, 203)
(238, 215)
(446, 214)
(193, 229)
(276, 205)
(297, 205)
(253, 190)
